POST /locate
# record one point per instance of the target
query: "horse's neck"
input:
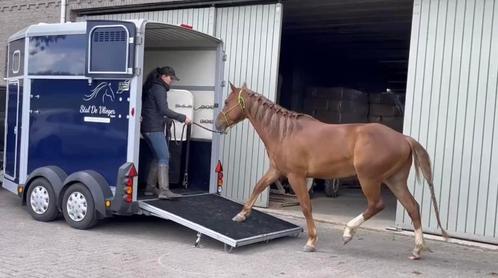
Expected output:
(258, 123)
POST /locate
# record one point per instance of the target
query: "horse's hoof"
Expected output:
(346, 239)
(239, 218)
(308, 248)
(415, 255)
(414, 258)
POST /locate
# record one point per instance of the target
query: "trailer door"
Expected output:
(15, 75)
(12, 130)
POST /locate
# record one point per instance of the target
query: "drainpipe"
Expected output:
(63, 11)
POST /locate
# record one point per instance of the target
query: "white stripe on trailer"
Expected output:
(97, 120)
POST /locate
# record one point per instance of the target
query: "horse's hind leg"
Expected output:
(400, 190)
(298, 184)
(270, 176)
(371, 189)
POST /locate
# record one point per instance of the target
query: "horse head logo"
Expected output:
(105, 88)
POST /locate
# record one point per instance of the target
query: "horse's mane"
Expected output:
(280, 121)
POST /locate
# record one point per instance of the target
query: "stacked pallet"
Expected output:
(336, 105)
(387, 108)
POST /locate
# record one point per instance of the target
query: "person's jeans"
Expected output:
(157, 142)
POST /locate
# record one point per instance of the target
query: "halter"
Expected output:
(241, 102)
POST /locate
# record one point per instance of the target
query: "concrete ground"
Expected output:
(349, 204)
(149, 247)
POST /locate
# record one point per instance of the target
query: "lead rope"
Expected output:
(208, 129)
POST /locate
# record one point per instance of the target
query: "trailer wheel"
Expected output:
(332, 187)
(78, 207)
(41, 201)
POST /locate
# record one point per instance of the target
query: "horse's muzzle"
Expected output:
(220, 124)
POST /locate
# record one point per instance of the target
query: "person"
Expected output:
(155, 116)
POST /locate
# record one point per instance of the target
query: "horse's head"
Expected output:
(234, 109)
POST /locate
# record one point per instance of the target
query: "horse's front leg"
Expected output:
(298, 184)
(270, 177)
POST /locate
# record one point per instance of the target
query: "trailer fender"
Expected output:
(55, 177)
(96, 184)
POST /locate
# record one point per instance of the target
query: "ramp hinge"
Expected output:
(224, 57)
(138, 71)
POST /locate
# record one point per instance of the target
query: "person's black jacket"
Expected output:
(155, 110)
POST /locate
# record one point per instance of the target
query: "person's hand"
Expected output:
(188, 121)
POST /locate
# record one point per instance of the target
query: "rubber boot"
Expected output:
(164, 191)
(151, 187)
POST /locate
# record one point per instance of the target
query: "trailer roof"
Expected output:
(156, 33)
(45, 29)
(166, 35)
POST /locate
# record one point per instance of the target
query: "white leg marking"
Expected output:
(419, 237)
(353, 225)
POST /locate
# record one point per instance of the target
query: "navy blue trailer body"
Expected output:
(72, 140)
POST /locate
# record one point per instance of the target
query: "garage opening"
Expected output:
(344, 62)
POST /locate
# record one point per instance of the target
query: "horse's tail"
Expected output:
(422, 161)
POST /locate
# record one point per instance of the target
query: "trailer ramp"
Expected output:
(211, 215)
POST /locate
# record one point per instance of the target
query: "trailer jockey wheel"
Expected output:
(41, 201)
(78, 207)
(332, 187)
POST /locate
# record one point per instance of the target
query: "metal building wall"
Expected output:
(252, 42)
(451, 105)
(251, 36)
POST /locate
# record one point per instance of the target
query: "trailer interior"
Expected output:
(193, 56)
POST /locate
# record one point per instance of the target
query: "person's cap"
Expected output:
(169, 71)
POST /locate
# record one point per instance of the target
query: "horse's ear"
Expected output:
(232, 87)
(244, 86)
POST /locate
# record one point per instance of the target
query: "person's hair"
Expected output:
(153, 77)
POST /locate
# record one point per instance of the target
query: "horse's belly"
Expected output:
(331, 170)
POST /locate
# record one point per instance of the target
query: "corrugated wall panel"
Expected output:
(252, 41)
(201, 19)
(451, 110)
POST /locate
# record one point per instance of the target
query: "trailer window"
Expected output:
(109, 50)
(15, 58)
(16, 61)
(57, 55)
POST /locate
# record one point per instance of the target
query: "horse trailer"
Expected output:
(72, 140)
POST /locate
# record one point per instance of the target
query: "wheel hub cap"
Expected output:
(77, 206)
(39, 199)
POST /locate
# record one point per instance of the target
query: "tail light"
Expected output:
(128, 184)
(219, 171)
(186, 26)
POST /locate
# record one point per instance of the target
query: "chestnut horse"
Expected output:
(301, 147)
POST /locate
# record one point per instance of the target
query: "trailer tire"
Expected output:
(41, 201)
(78, 207)
(332, 187)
